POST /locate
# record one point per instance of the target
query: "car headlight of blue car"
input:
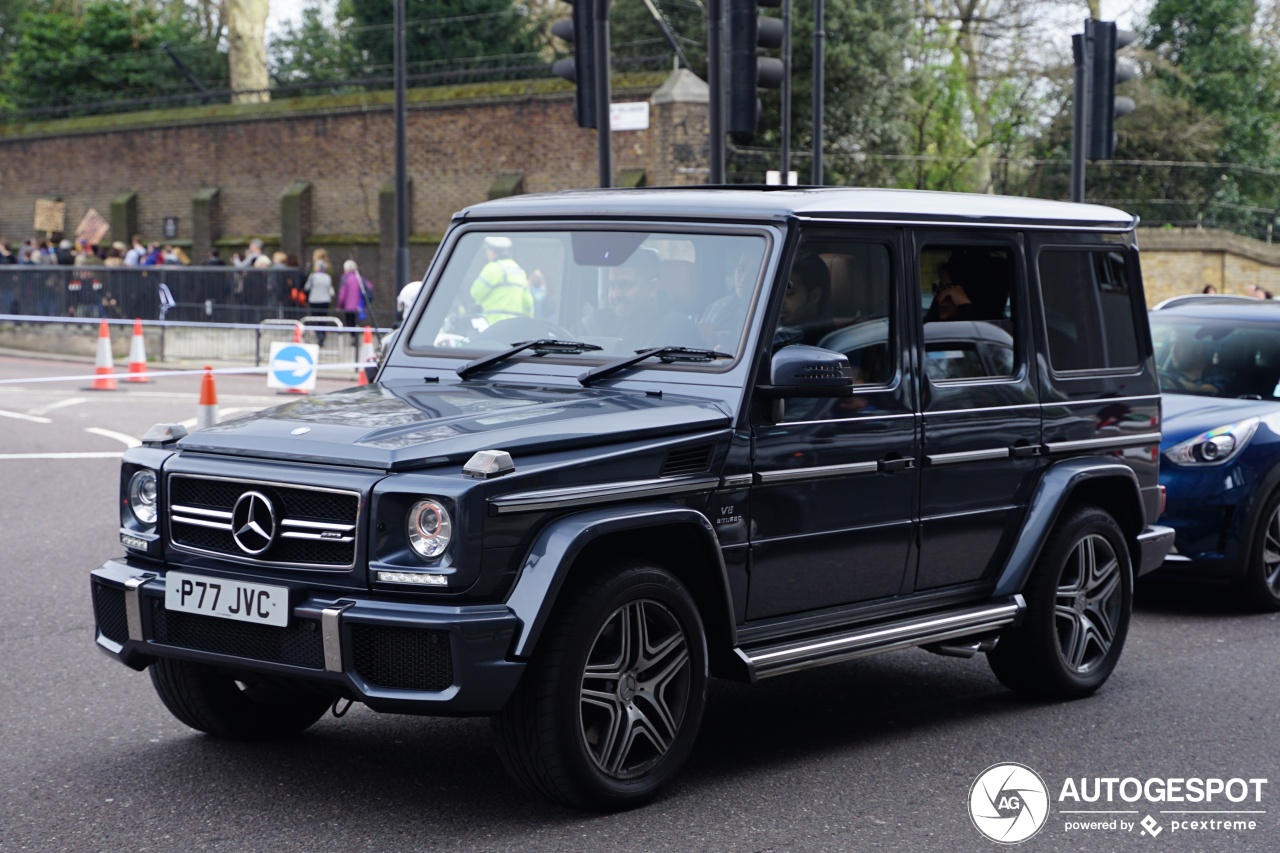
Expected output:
(1216, 446)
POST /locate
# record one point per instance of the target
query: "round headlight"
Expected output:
(142, 496)
(429, 528)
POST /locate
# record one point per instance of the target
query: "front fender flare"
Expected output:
(558, 545)
(1052, 494)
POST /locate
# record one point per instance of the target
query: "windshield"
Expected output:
(1216, 358)
(620, 291)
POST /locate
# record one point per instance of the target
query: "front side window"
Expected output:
(621, 291)
(838, 297)
(1088, 309)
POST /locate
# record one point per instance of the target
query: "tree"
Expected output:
(1216, 61)
(247, 50)
(445, 37)
(107, 51)
(318, 49)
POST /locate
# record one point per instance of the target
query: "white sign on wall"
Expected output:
(629, 115)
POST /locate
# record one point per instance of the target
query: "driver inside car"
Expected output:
(639, 311)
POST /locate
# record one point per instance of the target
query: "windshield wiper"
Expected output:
(665, 354)
(542, 346)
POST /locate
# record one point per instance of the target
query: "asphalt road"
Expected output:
(875, 754)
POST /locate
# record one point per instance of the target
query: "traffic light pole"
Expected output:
(715, 82)
(402, 170)
(786, 92)
(1081, 51)
(819, 66)
(604, 95)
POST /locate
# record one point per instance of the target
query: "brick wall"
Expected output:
(1179, 261)
(461, 139)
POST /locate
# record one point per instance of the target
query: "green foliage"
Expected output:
(316, 50)
(446, 35)
(107, 51)
(1220, 67)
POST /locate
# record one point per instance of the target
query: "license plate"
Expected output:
(259, 603)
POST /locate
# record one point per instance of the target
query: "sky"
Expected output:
(1120, 11)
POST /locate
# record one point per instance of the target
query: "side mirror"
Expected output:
(804, 371)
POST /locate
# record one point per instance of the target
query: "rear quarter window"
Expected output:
(1088, 307)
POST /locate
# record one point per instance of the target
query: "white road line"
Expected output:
(21, 417)
(105, 455)
(129, 441)
(61, 404)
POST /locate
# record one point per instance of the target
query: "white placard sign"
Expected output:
(629, 115)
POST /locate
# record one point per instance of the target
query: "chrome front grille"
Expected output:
(310, 527)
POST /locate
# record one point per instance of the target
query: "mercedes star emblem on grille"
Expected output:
(253, 523)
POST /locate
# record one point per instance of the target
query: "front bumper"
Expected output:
(1153, 543)
(391, 655)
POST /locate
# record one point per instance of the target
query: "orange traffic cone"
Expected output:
(297, 339)
(368, 359)
(207, 415)
(103, 367)
(137, 355)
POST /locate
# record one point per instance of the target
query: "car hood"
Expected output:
(1186, 415)
(393, 426)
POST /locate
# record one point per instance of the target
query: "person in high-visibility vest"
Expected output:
(502, 288)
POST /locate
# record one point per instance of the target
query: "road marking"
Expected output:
(61, 404)
(129, 441)
(21, 417)
(106, 455)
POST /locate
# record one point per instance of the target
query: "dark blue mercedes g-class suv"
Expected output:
(629, 440)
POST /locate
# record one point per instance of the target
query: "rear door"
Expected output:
(981, 414)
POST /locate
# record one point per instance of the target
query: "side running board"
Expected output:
(766, 661)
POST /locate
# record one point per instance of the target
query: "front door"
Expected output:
(835, 479)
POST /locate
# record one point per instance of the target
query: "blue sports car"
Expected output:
(1219, 364)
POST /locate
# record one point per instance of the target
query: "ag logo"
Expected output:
(1008, 803)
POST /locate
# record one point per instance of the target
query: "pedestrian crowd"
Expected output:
(310, 291)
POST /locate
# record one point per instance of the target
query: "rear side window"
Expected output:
(1088, 309)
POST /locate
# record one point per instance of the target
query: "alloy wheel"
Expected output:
(1088, 603)
(635, 689)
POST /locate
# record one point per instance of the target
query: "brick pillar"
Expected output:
(205, 225)
(680, 124)
(124, 217)
(295, 218)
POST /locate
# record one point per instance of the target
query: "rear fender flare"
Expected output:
(552, 555)
(1054, 491)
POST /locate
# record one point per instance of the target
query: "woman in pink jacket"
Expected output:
(351, 296)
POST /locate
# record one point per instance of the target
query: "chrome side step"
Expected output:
(787, 657)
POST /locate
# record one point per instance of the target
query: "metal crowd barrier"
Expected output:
(170, 341)
(190, 294)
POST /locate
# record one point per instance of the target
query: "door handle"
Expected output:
(890, 466)
(1023, 451)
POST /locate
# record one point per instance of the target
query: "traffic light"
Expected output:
(749, 30)
(1105, 71)
(580, 69)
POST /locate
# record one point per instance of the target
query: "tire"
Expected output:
(1079, 604)
(1259, 589)
(609, 708)
(218, 705)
